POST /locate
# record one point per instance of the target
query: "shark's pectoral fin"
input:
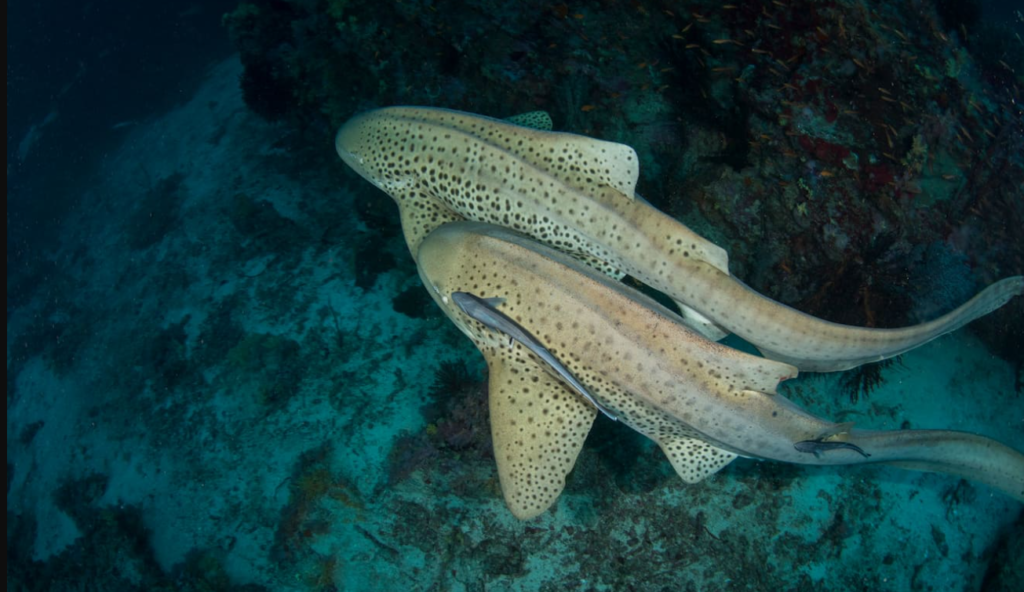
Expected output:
(421, 216)
(600, 265)
(538, 427)
(701, 323)
(538, 120)
(693, 459)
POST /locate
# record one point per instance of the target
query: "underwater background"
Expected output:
(223, 372)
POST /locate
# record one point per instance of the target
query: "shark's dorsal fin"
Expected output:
(538, 427)
(693, 459)
(538, 120)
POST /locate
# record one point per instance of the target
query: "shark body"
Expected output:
(485, 312)
(578, 195)
(702, 402)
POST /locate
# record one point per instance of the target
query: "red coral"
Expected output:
(831, 112)
(823, 151)
(875, 176)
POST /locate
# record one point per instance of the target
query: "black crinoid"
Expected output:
(453, 382)
(864, 379)
(458, 411)
(452, 377)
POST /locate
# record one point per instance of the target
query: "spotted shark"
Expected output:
(487, 313)
(703, 403)
(578, 195)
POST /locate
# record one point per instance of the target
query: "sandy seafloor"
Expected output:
(211, 467)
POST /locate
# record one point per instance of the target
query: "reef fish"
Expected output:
(578, 195)
(703, 403)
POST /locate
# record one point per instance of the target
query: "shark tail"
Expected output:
(961, 454)
(879, 344)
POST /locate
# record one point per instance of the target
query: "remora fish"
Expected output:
(578, 195)
(819, 447)
(702, 402)
(487, 313)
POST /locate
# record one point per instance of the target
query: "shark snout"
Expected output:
(347, 142)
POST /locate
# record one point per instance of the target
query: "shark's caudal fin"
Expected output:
(538, 427)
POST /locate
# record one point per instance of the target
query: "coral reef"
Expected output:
(864, 379)
(1006, 571)
(318, 498)
(157, 211)
(270, 363)
(113, 551)
(457, 429)
(413, 302)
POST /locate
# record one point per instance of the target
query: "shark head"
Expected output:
(358, 144)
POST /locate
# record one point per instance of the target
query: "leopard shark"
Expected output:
(703, 403)
(578, 195)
